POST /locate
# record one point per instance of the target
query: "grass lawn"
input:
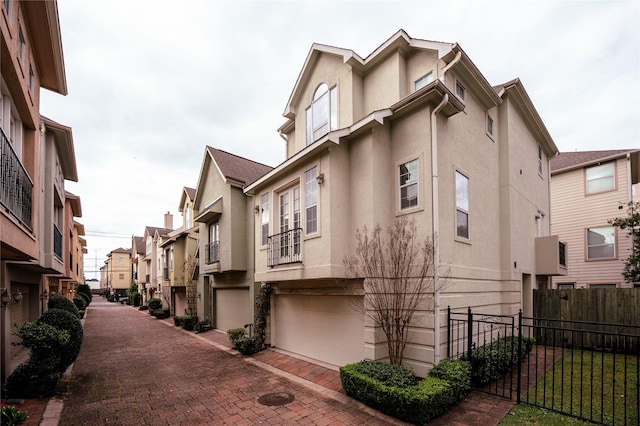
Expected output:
(528, 415)
(587, 384)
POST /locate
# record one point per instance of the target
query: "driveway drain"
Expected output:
(277, 398)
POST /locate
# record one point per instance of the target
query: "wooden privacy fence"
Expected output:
(616, 312)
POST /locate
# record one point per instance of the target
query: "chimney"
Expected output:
(168, 220)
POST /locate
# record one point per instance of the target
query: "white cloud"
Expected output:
(152, 82)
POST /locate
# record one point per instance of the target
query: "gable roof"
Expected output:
(566, 161)
(187, 192)
(140, 245)
(238, 169)
(151, 230)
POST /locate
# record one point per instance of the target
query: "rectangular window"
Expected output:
(601, 243)
(408, 184)
(462, 206)
(602, 286)
(539, 160)
(264, 204)
(121, 276)
(600, 178)
(565, 285)
(31, 76)
(21, 44)
(311, 200)
(423, 81)
(296, 219)
(460, 90)
(489, 125)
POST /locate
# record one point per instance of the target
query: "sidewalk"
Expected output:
(321, 382)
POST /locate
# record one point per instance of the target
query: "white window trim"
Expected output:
(332, 119)
(317, 203)
(455, 202)
(264, 238)
(464, 90)
(423, 81)
(586, 244)
(490, 132)
(613, 175)
(418, 183)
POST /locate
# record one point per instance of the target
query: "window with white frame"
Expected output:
(489, 125)
(460, 91)
(289, 218)
(601, 243)
(322, 114)
(565, 285)
(21, 43)
(31, 78)
(423, 81)
(311, 200)
(462, 205)
(539, 160)
(600, 178)
(408, 174)
(264, 219)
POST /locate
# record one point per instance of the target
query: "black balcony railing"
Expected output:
(562, 259)
(284, 247)
(57, 242)
(212, 252)
(16, 187)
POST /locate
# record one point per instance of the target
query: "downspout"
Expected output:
(436, 228)
(435, 206)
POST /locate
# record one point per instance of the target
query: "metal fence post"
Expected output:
(448, 331)
(469, 331)
(519, 369)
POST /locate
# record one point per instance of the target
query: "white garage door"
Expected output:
(233, 308)
(325, 328)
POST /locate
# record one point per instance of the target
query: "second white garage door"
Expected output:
(325, 328)
(233, 308)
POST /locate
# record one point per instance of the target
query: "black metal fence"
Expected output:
(581, 369)
(284, 248)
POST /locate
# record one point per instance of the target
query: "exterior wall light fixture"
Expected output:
(320, 178)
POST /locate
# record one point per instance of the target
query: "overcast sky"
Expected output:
(151, 83)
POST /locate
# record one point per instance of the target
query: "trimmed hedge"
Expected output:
(32, 381)
(418, 403)
(492, 361)
(60, 302)
(242, 342)
(64, 320)
(387, 374)
(85, 290)
(80, 302)
(154, 304)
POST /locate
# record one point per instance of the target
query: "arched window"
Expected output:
(322, 114)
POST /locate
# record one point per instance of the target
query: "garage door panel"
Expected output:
(320, 327)
(233, 308)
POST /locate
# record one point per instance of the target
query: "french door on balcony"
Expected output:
(289, 212)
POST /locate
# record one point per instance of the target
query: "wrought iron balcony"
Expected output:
(212, 252)
(16, 187)
(284, 248)
(57, 242)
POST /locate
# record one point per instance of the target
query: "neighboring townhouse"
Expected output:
(179, 275)
(589, 188)
(119, 271)
(36, 156)
(153, 238)
(414, 129)
(225, 217)
(139, 266)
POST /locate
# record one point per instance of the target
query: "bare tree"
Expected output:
(398, 273)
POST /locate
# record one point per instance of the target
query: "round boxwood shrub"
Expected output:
(31, 380)
(79, 302)
(85, 290)
(84, 297)
(154, 304)
(60, 302)
(64, 320)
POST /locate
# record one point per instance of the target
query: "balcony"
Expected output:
(57, 242)
(212, 252)
(551, 256)
(284, 248)
(16, 187)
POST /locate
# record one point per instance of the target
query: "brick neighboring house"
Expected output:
(588, 188)
(413, 129)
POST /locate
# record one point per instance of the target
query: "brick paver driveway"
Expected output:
(135, 370)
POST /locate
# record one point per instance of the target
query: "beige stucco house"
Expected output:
(413, 129)
(119, 271)
(225, 216)
(588, 188)
(40, 242)
(139, 266)
(153, 238)
(179, 276)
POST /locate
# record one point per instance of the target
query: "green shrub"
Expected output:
(162, 314)
(242, 342)
(44, 341)
(84, 297)
(189, 322)
(12, 416)
(143, 308)
(80, 302)
(64, 320)
(135, 299)
(81, 313)
(60, 302)
(456, 372)
(85, 290)
(387, 374)
(203, 326)
(491, 361)
(178, 320)
(418, 404)
(154, 304)
(32, 381)
(235, 334)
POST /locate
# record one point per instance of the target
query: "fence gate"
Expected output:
(469, 333)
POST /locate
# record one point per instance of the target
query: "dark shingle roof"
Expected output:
(238, 168)
(569, 160)
(191, 192)
(162, 231)
(141, 247)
